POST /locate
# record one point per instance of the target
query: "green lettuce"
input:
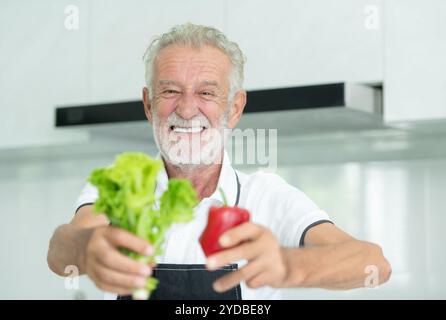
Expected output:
(127, 197)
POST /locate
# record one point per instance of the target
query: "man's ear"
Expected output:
(237, 107)
(147, 104)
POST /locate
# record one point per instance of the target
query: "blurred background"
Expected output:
(380, 173)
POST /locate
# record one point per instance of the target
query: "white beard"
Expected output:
(190, 151)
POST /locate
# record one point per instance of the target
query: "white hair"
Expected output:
(197, 36)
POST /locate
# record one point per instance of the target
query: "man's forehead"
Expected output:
(163, 82)
(188, 66)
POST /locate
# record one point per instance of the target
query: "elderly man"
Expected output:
(194, 77)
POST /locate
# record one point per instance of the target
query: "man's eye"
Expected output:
(206, 93)
(169, 91)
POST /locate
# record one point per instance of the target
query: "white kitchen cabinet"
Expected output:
(289, 43)
(415, 60)
(42, 64)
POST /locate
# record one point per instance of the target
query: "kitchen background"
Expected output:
(383, 181)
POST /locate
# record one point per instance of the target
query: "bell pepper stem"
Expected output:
(225, 202)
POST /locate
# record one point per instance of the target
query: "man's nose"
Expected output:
(187, 106)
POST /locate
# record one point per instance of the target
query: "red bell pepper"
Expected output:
(220, 220)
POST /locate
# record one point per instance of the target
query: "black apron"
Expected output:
(192, 281)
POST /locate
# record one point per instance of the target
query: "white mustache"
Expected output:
(198, 121)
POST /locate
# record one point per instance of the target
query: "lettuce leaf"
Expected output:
(127, 197)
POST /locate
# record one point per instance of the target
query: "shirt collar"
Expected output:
(227, 181)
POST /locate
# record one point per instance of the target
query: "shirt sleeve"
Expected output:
(88, 195)
(298, 214)
(283, 208)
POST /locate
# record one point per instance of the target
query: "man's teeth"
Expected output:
(188, 130)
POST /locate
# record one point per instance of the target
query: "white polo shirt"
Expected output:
(272, 202)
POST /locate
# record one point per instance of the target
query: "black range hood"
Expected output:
(359, 97)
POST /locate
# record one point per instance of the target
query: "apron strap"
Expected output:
(238, 189)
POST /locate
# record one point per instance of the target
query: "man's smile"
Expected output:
(178, 129)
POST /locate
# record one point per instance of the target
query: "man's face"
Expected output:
(190, 108)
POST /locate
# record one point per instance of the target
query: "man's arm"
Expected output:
(330, 259)
(69, 240)
(90, 244)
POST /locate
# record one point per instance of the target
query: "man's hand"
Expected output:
(260, 247)
(111, 270)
